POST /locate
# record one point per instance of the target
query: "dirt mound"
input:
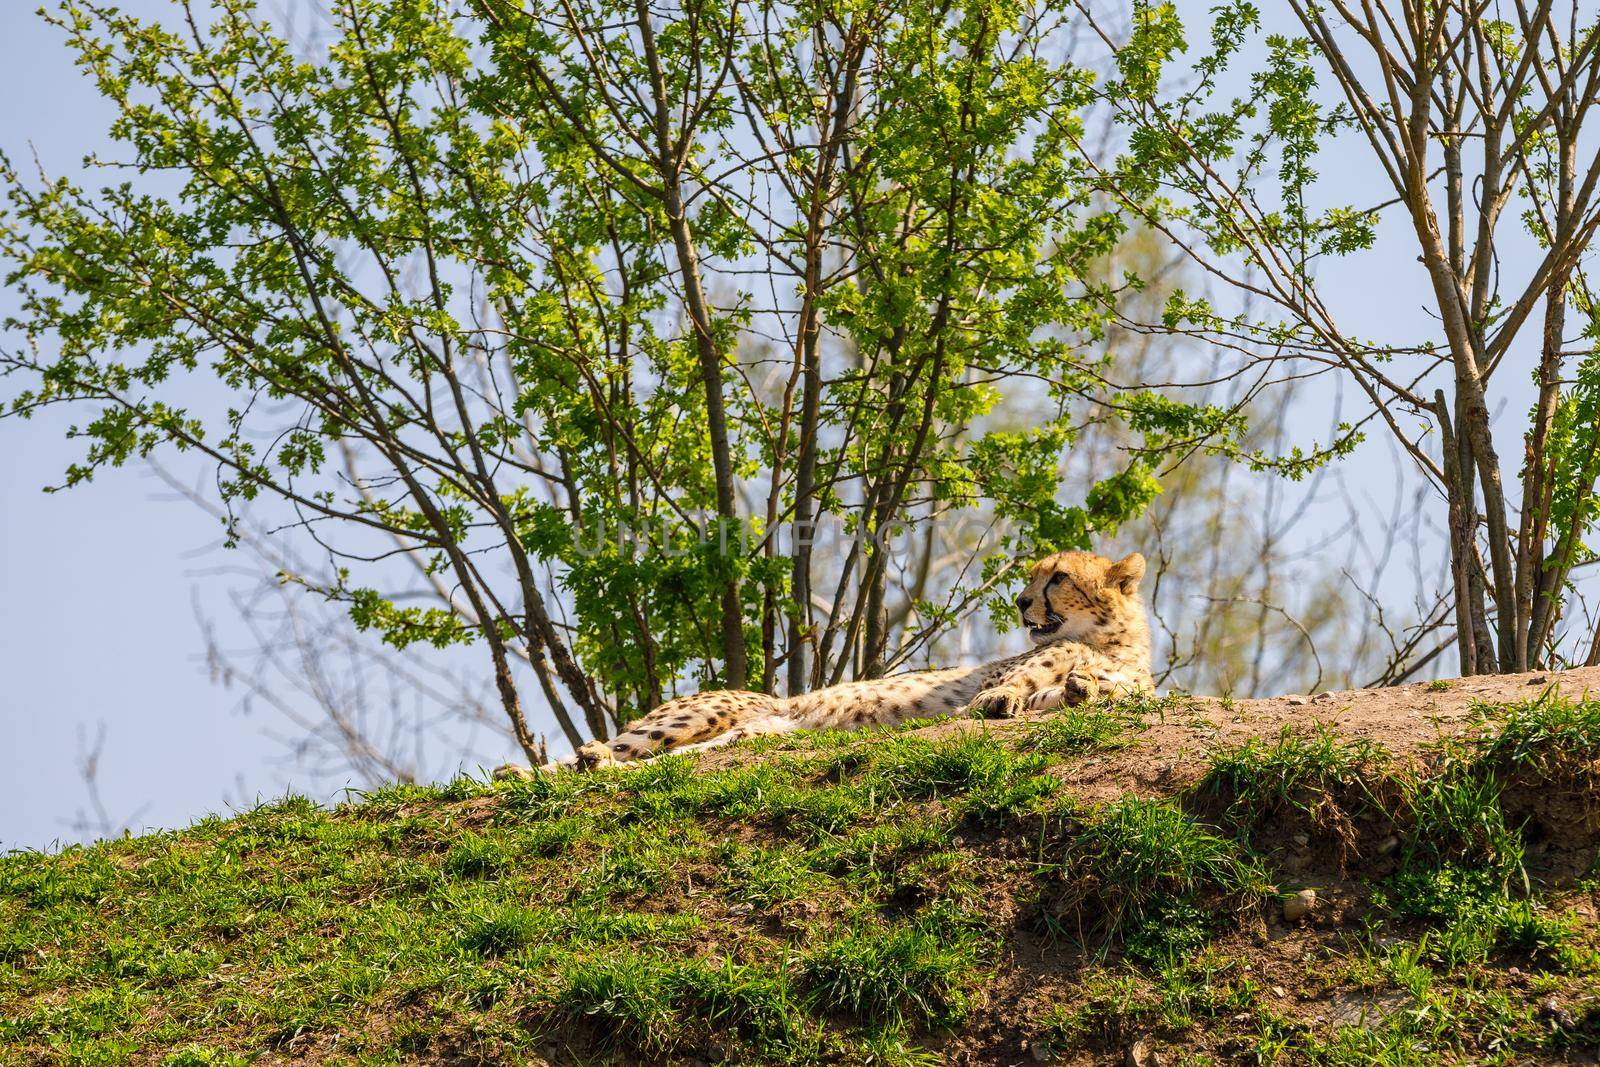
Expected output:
(1180, 733)
(1405, 876)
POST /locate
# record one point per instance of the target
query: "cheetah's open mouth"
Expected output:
(1047, 631)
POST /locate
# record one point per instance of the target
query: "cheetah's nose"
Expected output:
(1024, 602)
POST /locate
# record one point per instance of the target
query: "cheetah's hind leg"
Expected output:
(716, 717)
(766, 724)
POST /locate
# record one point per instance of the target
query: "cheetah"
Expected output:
(1083, 613)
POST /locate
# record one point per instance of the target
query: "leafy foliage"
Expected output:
(519, 300)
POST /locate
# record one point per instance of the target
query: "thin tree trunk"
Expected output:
(1458, 491)
(804, 528)
(807, 352)
(1536, 489)
(875, 630)
(1475, 444)
(1539, 600)
(735, 668)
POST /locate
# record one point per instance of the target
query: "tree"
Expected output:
(560, 328)
(1247, 596)
(1474, 118)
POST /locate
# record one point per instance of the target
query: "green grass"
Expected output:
(1422, 1005)
(1457, 818)
(838, 899)
(590, 909)
(1088, 728)
(1146, 873)
(914, 973)
(763, 877)
(1316, 776)
(1463, 869)
(1548, 737)
(1117, 1006)
(477, 856)
(988, 781)
(650, 1004)
(1463, 865)
(502, 929)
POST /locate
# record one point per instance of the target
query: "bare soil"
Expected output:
(1171, 752)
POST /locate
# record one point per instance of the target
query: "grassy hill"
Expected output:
(1116, 884)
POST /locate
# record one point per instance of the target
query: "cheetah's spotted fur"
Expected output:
(1090, 636)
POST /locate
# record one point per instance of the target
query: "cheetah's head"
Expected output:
(1078, 596)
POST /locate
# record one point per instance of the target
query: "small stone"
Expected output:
(1299, 906)
(1142, 1053)
(1296, 699)
(1559, 1017)
(1367, 1012)
(1278, 991)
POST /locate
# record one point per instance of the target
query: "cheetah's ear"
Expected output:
(1125, 573)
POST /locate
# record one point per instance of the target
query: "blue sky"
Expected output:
(101, 584)
(80, 572)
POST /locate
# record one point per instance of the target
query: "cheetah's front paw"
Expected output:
(1079, 688)
(998, 703)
